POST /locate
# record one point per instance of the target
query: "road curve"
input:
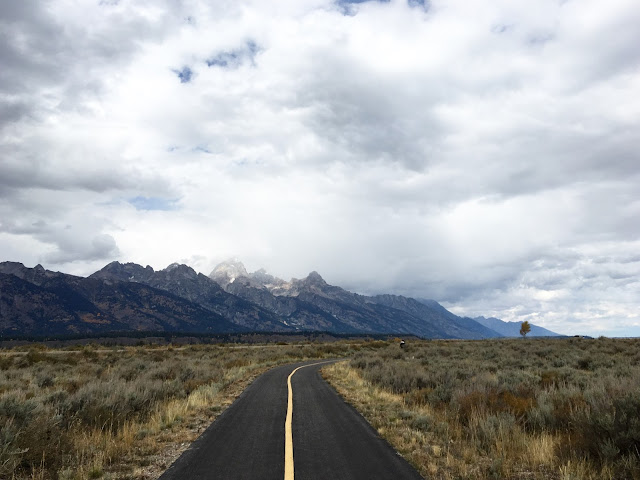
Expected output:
(330, 439)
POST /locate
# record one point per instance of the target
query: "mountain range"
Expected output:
(128, 297)
(512, 329)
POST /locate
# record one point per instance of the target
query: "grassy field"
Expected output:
(512, 409)
(124, 413)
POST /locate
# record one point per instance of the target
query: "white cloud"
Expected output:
(483, 154)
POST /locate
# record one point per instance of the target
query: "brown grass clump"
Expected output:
(534, 408)
(121, 413)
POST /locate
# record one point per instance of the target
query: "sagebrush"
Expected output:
(510, 408)
(94, 412)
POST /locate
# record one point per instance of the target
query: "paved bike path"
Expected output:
(330, 439)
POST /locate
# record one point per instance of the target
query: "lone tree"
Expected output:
(525, 328)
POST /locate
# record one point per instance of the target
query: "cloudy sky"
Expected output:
(483, 154)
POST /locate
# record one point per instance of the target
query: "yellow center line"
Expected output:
(288, 435)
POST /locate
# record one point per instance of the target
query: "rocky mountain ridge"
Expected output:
(130, 297)
(358, 313)
(35, 301)
(185, 282)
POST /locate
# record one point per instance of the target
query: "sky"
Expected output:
(481, 154)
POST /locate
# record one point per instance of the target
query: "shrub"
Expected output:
(44, 381)
(576, 401)
(610, 426)
(422, 422)
(486, 431)
(9, 451)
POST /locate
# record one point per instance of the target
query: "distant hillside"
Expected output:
(311, 303)
(512, 329)
(35, 301)
(129, 297)
(433, 313)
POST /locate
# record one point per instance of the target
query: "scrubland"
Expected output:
(512, 409)
(121, 412)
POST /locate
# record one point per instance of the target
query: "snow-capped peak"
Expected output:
(228, 271)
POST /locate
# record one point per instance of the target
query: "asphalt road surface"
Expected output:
(331, 441)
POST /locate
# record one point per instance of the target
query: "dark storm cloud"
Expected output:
(12, 111)
(65, 242)
(29, 168)
(46, 176)
(101, 247)
(41, 51)
(368, 118)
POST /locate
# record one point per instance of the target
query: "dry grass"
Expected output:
(512, 409)
(121, 413)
